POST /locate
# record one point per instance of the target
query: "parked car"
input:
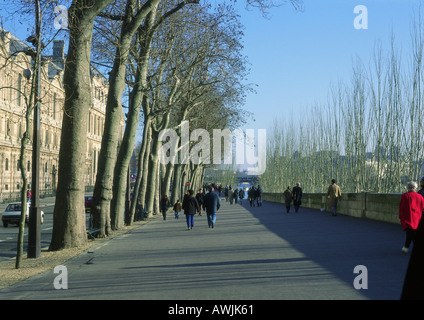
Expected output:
(12, 214)
(88, 202)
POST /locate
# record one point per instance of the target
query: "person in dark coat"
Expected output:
(199, 197)
(177, 209)
(259, 196)
(252, 195)
(212, 204)
(241, 195)
(164, 205)
(297, 196)
(190, 207)
(288, 196)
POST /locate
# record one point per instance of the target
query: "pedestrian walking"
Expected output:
(297, 196)
(212, 204)
(231, 195)
(164, 205)
(334, 195)
(241, 195)
(252, 195)
(288, 196)
(236, 195)
(226, 190)
(190, 207)
(177, 209)
(199, 197)
(259, 196)
(410, 211)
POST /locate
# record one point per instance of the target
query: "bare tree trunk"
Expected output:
(107, 158)
(69, 214)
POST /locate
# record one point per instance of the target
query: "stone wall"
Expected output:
(376, 206)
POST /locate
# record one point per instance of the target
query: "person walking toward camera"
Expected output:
(297, 196)
(164, 205)
(334, 195)
(177, 209)
(288, 196)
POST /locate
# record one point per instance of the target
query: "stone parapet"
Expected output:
(376, 206)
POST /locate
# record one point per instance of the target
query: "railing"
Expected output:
(376, 206)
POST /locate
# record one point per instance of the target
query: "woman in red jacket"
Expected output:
(410, 210)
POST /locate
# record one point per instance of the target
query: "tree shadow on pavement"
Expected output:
(341, 243)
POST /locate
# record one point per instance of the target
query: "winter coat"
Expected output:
(211, 202)
(297, 195)
(410, 209)
(177, 206)
(287, 197)
(334, 194)
(164, 204)
(190, 205)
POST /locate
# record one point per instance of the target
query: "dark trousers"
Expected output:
(410, 237)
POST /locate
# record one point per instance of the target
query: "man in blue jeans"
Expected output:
(211, 203)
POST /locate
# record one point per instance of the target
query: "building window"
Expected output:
(6, 165)
(18, 102)
(54, 106)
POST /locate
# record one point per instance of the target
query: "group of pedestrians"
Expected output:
(254, 194)
(294, 195)
(193, 205)
(234, 195)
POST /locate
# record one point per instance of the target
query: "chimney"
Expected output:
(59, 52)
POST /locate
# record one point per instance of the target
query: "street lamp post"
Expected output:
(34, 229)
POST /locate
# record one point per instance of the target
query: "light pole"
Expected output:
(34, 229)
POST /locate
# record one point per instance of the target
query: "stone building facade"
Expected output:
(14, 90)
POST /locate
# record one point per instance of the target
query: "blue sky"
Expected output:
(296, 56)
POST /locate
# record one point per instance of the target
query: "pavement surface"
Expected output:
(258, 253)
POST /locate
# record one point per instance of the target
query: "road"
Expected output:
(251, 254)
(9, 235)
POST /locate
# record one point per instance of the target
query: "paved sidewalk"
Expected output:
(252, 253)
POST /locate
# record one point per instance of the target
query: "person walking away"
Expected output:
(231, 195)
(334, 195)
(236, 195)
(164, 205)
(297, 196)
(410, 211)
(251, 195)
(190, 207)
(177, 209)
(212, 204)
(241, 195)
(227, 188)
(199, 197)
(259, 196)
(288, 196)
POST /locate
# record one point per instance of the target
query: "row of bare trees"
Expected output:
(368, 136)
(168, 61)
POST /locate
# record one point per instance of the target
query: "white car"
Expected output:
(12, 214)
